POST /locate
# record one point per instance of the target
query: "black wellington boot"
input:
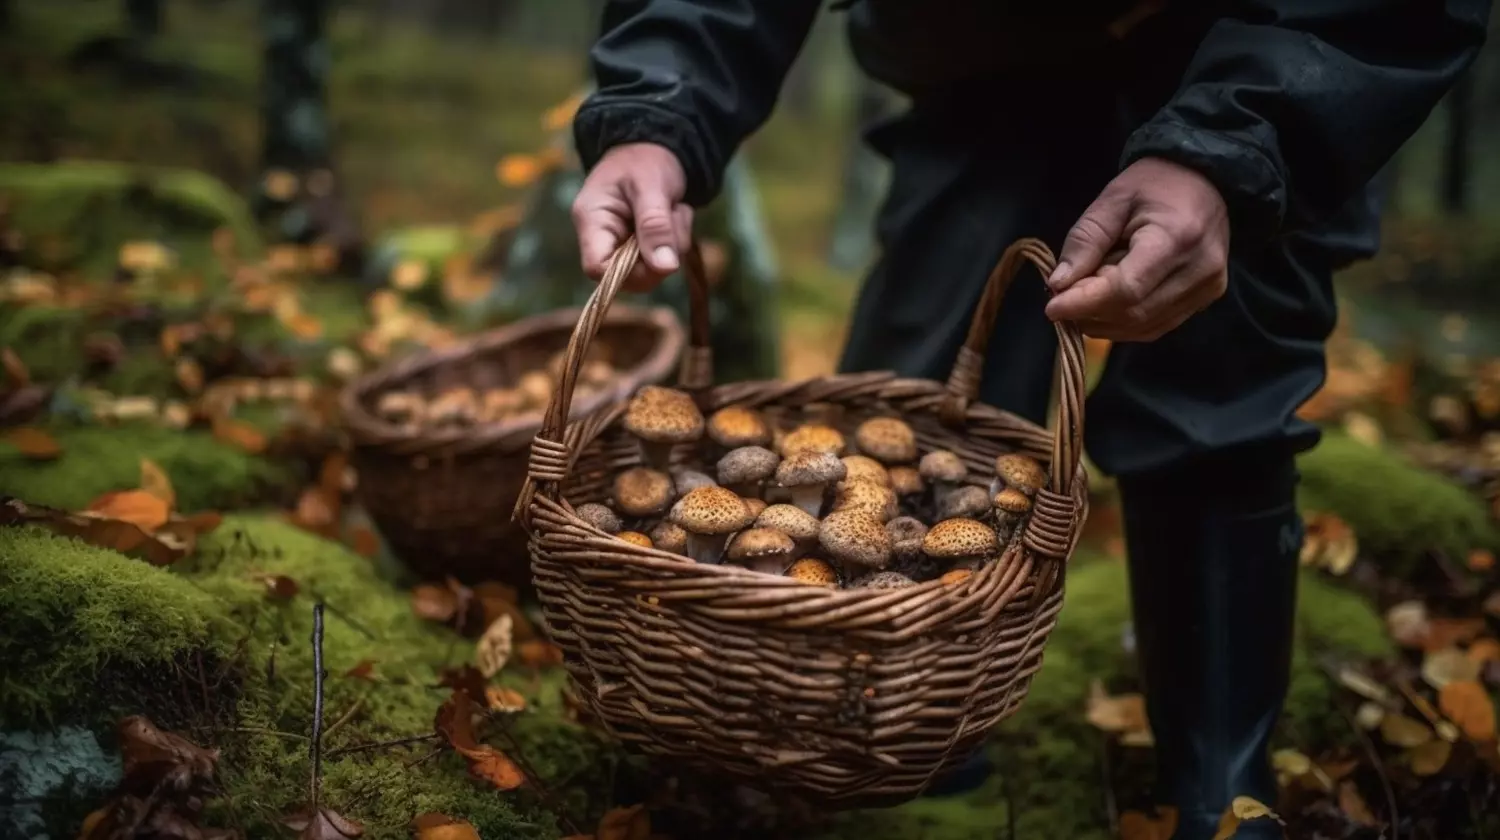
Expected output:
(1213, 576)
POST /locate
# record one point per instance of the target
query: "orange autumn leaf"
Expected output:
(1481, 560)
(155, 482)
(239, 434)
(1135, 825)
(1443, 633)
(364, 542)
(204, 522)
(455, 723)
(16, 372)
(539, 654)
(1484, 650)
(518, 170)
(502, 699)
(558, 116)
(632, 823)
(315, 511)
(1468, 705)
(35, 444)
(435, 826)
(304, 326)
(363, 670)
(138, 507)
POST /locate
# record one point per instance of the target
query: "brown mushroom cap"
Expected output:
(600, 517)
(856, 538)
(877, 500)
(756, 543)
(596, 373)
(747, 465)
(940, 465)
(711, 511)
(535, 388)
(686, 481)
(399, 406)
(967, 502)
(735, 426)
(498, 403)
(882, 580)
(906, 481)
(642, 491)
(1012, 501)
(865, 468)
(663, 415)
(906, 533)
(1021, 472)
(790, 520)
(811, 570)
(956, 576)
(455, 405)
(635, 538)
(812, 437)
(810, 467)
(887, 438)
(960, 538)
(757, 506)
(669, 538)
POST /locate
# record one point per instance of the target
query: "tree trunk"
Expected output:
(1456, 157)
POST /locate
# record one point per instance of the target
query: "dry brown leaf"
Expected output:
(539, 654)
(1242, 809)
(455, 723)
(433, 602)
(189, 374)
(518, 170)
(501, 699)
(279, 587)
(494, 647)
(155, 482)
(1369, 715)
(1399, 730)
(316, 512)
(1429, 759)
(204, 522)
(1354, 806)
(146, 749)
(1330, 544)
(465, 679)
(326, 824)
(1468, 704)
(435, 826)
(1447, 632)
(137, 507)
(409, 275)
(1481, 560)
(364, 541)
(1484, 650)
(33, 443)
(1115, 714)
(1136, 825)
(239, 434)
(1448, 665)
(632, 823)
(363, 670)
(1408, 624)
(279, 185)
(16, 372)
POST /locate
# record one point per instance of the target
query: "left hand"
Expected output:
(1170, 228)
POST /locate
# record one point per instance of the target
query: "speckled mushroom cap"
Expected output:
(535, 388)
(1012, 501)
(669, 538)
(398, 406)
(747, 464)
(663, 415)
(810, 467)
(455, 405)
(734, 426)
(686, 481)
(635, 538)
(888, 439)
(856, 538)
(906, 481)
(756, 505)
(813, 571)
(960, 538)
(953, 577)
(1021, 472)
(642, 491)
(906, 533)
(883, 580)
(711, 510)
(942, 465)
(753, 543)
(600, 517)
(790, 520)
(874, 499)
(967, 502)
(865, 468)
(812, 437)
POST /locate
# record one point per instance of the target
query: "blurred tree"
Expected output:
(1457, 171)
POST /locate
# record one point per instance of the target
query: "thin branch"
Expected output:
(260, 730)
(343, 719)
(536, 779)
(344, 617)
(317, 724)
(1374, 756)
(377, 745)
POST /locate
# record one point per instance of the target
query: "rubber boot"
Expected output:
(1213, 576)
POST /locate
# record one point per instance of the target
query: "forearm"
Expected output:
(1292, 107)
(695, 76)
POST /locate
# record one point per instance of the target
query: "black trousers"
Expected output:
(975, 173)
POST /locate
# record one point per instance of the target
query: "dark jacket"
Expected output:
(1290, 107)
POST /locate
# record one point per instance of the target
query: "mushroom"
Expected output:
(1011, 506)
(746, 469)
(883, 580)
(793, 521)
(735, 426)
(709, 515)
(642, 491)
(1019, 471)
(944, 471)
(400, 408)
(815, 572)
(966, 502)
(596, 373)
(686, 481)
(762, 550)
(812, 437)
(535, 388)
(906, 533)
(600, 517)
(865, 468)
(906, 481)
(660, 418)
(959, 540)
(874, 499)
(956, 576)
(453, 408)
(499, 403)
(807, 475)
(888, 439)
(635, 538)
(669, 538)
(855, 539)
(756, 505)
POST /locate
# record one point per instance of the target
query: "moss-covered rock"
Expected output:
(207, 474)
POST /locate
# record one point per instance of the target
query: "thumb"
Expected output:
(1092, 237)
(655, 227)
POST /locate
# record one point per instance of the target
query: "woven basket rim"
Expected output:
(368, 430)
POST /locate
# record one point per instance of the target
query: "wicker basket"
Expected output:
(844, 698)
(441, 497)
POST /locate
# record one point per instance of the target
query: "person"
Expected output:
(1203, 169)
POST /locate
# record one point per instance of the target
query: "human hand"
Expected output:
(635, 187)
(1170, 228)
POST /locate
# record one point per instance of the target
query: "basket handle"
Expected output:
(550, 453)
(1050, 523)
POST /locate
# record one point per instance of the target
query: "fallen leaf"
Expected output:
(1447, 632)
(1136, 825)
(1329, 544)
(435, 826)
(150, 753)
(560, 115)
(280, 587)
(1492, 603)
(1467, 704)
(1354, 806)
(409, 275)
(1430, 758)
(239, 434)
(632, 823)
(155, 482)
(1407, 624)
(454, 722)
(363, 670)
(1242, 809)
(315, 512)
(500, 699)
(137, 507)
(465, 679)
(1448, 665)
(1398, 730)
(1363, 428)
(1481, 560)
(304, 326)
(494, 647)
(433, 602)
(326, 824)
(1290, 765)
(1115, 714)
(1369, 715)
(189, 374)
(34, 443)
(205, 521)
(144, 256)
(279, 185)
(16, 373)
(364, 541)
(539, 654)
(1484, 650)
(518, 170)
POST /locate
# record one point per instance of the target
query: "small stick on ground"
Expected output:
(344, 718)
(317, 724)
(1374, 756)
(536, 779)
(394, 742)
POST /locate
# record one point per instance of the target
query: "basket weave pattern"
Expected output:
(846, 697)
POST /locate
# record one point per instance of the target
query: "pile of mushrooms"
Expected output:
(866, 511)
(463, 407)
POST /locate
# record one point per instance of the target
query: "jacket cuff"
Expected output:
(1250, 182)
(601, 125)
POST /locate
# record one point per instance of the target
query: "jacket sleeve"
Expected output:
(695, 76)
(1292, 107)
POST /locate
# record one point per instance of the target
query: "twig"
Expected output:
(258, 730)
(394, 742)
(343, 616)
(547, 798)
(1374, 755)
(317, 725)
(344, 718)
(1111, 808)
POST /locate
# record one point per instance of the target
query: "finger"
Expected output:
(654, 227)
(1092, 237)
(1118, 291)
(601, 226)
(1181, 296)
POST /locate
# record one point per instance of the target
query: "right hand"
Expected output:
(636, 187)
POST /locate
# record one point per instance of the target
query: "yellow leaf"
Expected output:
(1119, 714)
(560, 115)
(35, 444)
(279, 185)
(1363, 428)
(409, 275)
(144, 256)
(1243, 808)
(1135, 825)
(189, 375)
(434, 826)
(156, 482)
(1398, 730)
(1290, 765)
(494, 647)
(504, 699)
(518, 170)
(1430, 758)
(239, 434)
(1448, 665)
(1467, 704)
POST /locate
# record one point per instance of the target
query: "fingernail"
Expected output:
(665, 258)
(1058, 274)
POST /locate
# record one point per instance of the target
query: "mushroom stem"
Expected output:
(705, 548)
(809, 497)
(657, 456)
(747, 489)
(770, 565)
(996, 485)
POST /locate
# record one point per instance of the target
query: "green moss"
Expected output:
(48, 339)
(1396, 509)
(206, 473)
